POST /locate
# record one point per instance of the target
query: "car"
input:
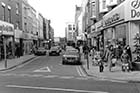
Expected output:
(71, 56)
(40, 51)
(54, 51)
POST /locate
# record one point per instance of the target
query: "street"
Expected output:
(46, 74)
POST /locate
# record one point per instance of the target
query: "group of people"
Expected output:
(111, 55)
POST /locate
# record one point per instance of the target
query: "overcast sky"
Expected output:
(58, 11)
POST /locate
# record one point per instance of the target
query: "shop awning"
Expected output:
(94, 34)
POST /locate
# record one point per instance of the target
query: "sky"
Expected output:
(58, 11)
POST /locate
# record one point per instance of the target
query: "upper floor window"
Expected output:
(69, 27)
(17, 8)
(93, 9)
(25, 27)
(73, 27)
(3, 11)
(9, 14)
(17, 25)
(104, 4)
(111, 1)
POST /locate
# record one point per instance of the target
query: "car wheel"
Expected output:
(49, 54)
(63, 62)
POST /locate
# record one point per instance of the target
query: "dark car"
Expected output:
(71, 56)
(40, 51)
(54, 51)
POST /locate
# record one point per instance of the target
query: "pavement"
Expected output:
(115, 74)
(12, 63)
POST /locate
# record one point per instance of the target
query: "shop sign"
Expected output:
(112, 19)
(135, 9)
(115, 15)
(25, 36)
(99, 25)
(132, 10)
(6, 28)
(34, 37)
(18, 33)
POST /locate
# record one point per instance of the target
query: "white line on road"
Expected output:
(66, 77)
(54, 89)
(79, 70)
(43, 69)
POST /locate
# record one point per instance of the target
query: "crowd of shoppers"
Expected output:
(111, 54)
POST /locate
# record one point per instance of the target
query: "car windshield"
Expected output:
(54, 48)
(71, 52)
(41, 48)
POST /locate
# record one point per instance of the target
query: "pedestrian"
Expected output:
(110, 57)
(125, 58)
(86, 50)
(128, 50)
(18, 51)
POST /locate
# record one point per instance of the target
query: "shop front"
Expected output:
(132, 15)
(115, 27)
(97, 35)
(27, 44)
(6, 40)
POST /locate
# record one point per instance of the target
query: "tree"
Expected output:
(137, 47)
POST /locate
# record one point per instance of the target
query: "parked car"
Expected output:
(71, 55)
(40, 51)
(54, 51)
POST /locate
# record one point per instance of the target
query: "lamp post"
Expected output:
(5, 51)
(87, 50)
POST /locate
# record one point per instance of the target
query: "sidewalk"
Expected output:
(11, 63)
(116, 73)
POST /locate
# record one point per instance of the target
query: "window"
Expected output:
(104, 4)
(9, 15)
(25, 27)
(111, 1)
(17, 8)
(69, 27)
(73, 27)
(3, 13)
(17, 25)
(93, 9)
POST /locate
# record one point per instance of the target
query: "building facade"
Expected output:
(10, 20)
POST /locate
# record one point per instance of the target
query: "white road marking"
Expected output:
(79, 70)
(54, 89)
(82, 78)
(66, 77)
(43, 69)
(50, 76)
